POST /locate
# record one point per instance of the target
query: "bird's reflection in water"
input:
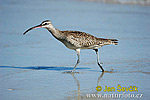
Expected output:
(79, 95)
(99, 78)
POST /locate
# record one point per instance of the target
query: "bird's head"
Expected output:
(44, 24)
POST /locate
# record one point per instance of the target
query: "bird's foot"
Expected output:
(71, 72)
(111, 71)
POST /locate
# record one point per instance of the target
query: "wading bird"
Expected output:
(76, 40)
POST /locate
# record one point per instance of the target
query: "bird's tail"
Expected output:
(113, 41)
(103, 41)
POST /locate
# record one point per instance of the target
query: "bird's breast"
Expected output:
(69, 45)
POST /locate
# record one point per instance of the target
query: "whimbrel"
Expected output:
(76, 40)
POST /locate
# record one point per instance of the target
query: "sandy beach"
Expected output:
(32, 67)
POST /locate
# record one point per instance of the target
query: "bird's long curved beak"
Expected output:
(38, 26)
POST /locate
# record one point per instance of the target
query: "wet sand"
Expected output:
(32, 66)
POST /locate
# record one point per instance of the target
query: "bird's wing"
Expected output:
(81, 39)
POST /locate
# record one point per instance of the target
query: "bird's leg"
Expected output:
(78, 54)
(96, 50)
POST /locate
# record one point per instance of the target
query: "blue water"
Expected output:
(32, 66)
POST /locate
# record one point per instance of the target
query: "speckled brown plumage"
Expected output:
(83, 40)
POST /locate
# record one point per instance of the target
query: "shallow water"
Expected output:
(32, 66)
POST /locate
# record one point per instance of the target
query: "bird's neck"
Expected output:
(54, 32)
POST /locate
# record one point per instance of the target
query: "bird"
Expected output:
(76, 40)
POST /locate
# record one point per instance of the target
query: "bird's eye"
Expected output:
(45, 24)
